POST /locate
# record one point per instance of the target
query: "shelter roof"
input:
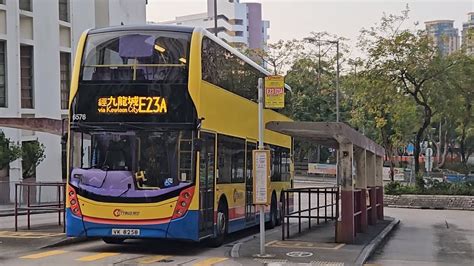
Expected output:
(328, 134)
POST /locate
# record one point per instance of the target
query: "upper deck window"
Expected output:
(228, 71)
(143, 56)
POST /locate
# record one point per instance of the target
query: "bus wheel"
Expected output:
(280, 210)
(221, 227)
(112, 240)
(273, 213)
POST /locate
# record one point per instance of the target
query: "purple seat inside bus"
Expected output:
(136, 46)
(114, 183)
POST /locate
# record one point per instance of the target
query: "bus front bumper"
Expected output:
(185, 228)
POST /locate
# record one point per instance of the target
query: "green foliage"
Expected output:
(9, 151)
(460, 168)
(420, 182)
(433, 187)
(32, 155)
(406, 84)
(276, 56)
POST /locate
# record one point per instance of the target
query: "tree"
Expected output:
(32, 153)
(461, 83)
(277, 55)
(312, 78)
(381, 114)
(9, 151)
(410, 61)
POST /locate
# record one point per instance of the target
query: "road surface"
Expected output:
(428, 237)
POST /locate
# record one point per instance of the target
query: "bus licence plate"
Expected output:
(125, 232)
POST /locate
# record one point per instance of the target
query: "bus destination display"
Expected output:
(132, 105)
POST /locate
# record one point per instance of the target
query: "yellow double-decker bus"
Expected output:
(163, 121)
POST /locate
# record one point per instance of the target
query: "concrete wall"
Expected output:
(430, 201)
(49, 36)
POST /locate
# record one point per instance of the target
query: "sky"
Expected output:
(295, 19)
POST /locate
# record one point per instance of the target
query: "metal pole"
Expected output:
(58, 188)
(215, 17)
(299, 212)
(439, 146)
(283, 217)
(260, 114)
(319, 64)
(325, 205)
(287, 199)
(16, 207)
(28, 205)
(64, 207)
(260, 147)
(317, 203)
(337, 80)
(309, 207)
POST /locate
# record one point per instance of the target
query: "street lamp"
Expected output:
(312, 40)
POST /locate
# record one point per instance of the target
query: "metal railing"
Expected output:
(32, 205)
(318, 199)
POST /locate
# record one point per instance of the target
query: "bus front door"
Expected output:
(249, 207)
(206, 184)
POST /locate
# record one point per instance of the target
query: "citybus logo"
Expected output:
(119, 212)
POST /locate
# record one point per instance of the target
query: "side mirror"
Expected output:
(197, 144)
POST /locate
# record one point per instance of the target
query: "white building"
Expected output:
(239, 24)
(444, 34)
(37, 45)
(468, 34)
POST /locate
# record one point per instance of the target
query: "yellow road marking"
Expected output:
(44, 254)
(210, 261)
(11, 234)
(152, 259)
(97, 256)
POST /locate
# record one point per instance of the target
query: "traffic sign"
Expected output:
(274, 92)
(261, 173)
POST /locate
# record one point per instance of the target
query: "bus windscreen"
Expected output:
(157, 56)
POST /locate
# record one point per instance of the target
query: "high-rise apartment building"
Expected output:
(37, 45)
(468, 34)
(239, 24)
(444, 35)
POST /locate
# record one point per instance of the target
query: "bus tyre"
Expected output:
(280, 210)
(221, 227)
(273, 213)
(112, 240)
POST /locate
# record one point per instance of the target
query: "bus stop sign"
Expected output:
(261, 173)
(274, 92)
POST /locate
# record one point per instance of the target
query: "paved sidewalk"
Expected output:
(44, 232)
(315, 246)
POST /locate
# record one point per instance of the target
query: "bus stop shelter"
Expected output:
(359, 172)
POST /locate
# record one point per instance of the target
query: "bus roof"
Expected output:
(145, 27)
(185, 29)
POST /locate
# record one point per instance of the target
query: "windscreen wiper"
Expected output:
(132, 125)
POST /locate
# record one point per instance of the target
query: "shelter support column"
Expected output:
(361, 183)
(371, 187)
(379, 184)
(346, 226)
